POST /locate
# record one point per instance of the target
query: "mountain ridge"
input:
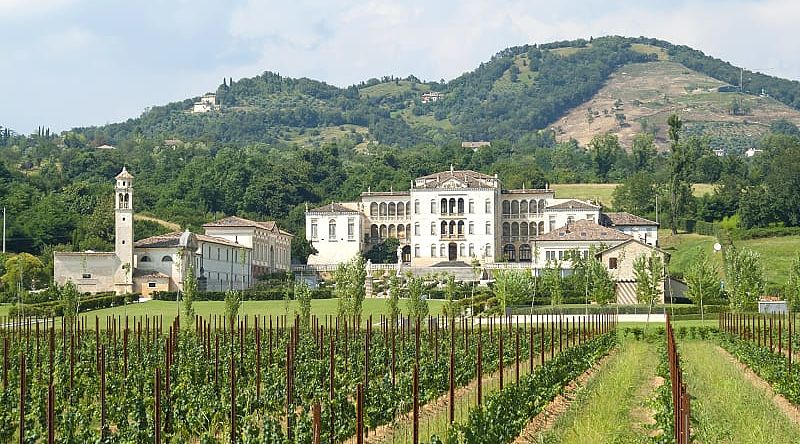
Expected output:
(518, 92)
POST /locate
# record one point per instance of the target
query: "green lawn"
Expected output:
(612, 406)
(604, 192)
(776, 253)
(726, 407)
(319, 307)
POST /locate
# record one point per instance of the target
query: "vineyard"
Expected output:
(277, 379)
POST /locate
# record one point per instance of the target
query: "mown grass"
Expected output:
(776, 253)
(319, 307)
(726, 407)
(611, 407)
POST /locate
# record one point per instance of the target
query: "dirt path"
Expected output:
(169, 225)
(730, 404)
(610, 404)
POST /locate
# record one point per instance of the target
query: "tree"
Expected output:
(350, 278)
(392, 306)
(189, 291)
(450, 310)
(602, 290)
(702, 280)
(511, 287)
(678, 171)
(649, 274)
(643, 152)
(636, 194)
(70, 298)
(744, 277)
(302, 293)
(25, 271)
(792, 289)
(417, 305)
(605, 149)
(384, 252)
(232, 304)
(552, 282)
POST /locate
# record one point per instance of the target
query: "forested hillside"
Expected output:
(518, 91)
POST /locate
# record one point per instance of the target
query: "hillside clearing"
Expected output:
(604, 192)
(647, 93)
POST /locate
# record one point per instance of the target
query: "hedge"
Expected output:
(54, 308)
(620, 309)
(249, 295)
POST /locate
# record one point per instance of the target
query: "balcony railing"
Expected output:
(526, 216)
(387, 218)
(451, 237)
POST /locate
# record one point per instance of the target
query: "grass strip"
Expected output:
(726, 407)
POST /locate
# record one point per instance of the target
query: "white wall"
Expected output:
(101, 270)
(340, 248)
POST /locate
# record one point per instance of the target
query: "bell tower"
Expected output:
(123, 225)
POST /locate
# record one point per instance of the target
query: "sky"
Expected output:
(68, 63)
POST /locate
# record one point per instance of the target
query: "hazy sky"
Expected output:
(69, 63)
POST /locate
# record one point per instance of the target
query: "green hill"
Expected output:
(516, 93)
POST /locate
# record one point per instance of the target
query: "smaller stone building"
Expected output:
(619, 260)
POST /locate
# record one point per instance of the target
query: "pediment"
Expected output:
(453, 183)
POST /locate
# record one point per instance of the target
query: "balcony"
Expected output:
(451, 237)
(386, 218)
(523, 216)
(457, 215)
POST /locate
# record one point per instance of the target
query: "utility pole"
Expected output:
(4, 230)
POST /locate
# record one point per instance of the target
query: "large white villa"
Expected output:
(462, 215)
(229, 255)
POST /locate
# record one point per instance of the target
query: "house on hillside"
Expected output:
(206, 103)
(431, 97)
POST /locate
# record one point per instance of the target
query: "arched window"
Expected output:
(272, 256)
(509, 253)
(524, 253)
(401, 209)
(444, 228)
(487, 251)
(332, 229)
(471, 250)
(460, 206)
(452, 206)
(515, 230)
(166, 259)
(523, 229)
(532, 229)
(373, 209)
(373, 232)
(392, 231)
(384, 232)
(401, 231)
(461, 228)
(443, 206)
(540, 231)
(515, 207)
(452, 228)
(542, 205)
(433, 206)
(392, 209)
(532, 207)
(506, 207)
(506, 229)
(383, 209)
(145, 259)
(433, 250)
